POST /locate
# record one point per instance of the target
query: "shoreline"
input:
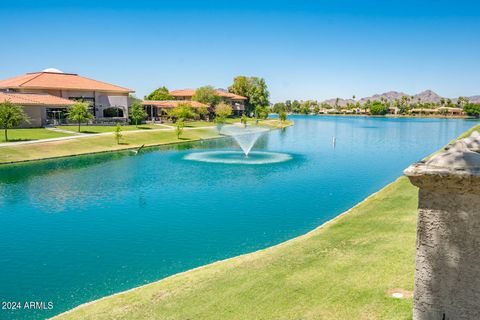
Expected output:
(284, 243)
(386, 116)
(218, 136)
(107, 151)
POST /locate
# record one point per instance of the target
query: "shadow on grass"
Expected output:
(17, 140)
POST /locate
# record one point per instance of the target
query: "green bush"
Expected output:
(377, 108)
(472, 109)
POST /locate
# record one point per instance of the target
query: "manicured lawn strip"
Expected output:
(99, 143)
(101, 129)
(275, 124)
(15, 135)
(340, 271)
(194, 124)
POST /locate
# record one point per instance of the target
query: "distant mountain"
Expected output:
(341, 102)
(390, 96)
(474, 99)
(424, 96)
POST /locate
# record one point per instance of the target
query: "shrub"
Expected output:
(472, 109)
(377, 108)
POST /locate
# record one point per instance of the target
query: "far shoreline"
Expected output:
(385, 116)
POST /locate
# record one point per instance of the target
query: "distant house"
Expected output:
(108, 102)
(451, 111)
(158, 110)
(236, 101)
(424, 111)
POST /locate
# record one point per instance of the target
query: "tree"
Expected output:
(201, 112)
(133, 98)
(254, 89)
(161, 93)
(137, 113)
(79, 113)
(305, 107)
(288, 106)
(296, 106)
(182, 112)
(279, 107)
(377, 108)
(244, 120)
(118, 133)
(11, 115)
(472, 110)
(207, 95)
(223, 110)
(179, 125)
(462, 101)
(261, 112)
(283, 116)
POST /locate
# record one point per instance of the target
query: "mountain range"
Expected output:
(424, 96)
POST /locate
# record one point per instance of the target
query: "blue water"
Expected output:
(77, 229)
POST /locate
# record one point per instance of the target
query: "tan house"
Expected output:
(236, 101)
(109, 103)
(451, 111)
(158, 110)
(40, 108)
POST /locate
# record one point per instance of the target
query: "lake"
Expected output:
(77, 229)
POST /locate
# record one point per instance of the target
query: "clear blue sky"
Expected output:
(303, 49)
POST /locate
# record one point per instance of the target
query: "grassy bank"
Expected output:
(102, 129)
(132, 138)
(343, 270)
(100, 143)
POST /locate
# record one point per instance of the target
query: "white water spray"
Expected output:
(244, 136)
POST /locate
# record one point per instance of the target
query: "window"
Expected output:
(113, 112)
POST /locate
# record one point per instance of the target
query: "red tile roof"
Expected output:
(172, 103)
(59, 81)
(191, 92)
(25, 99)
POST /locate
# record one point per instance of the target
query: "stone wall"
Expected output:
(447, 275)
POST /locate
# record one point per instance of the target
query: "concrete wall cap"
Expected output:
(460, 158)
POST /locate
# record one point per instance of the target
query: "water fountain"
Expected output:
(245, 137)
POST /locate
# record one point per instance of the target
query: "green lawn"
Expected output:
(101, 129)
(343, 270)
(15, 135)
(194, 124)
(98, 143)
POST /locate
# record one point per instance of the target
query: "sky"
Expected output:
(303, 49)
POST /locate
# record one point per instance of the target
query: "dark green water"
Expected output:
(78, 229)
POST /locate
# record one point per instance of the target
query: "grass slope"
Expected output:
(101, 143)
(104, 143)
(15, 135)
(342, 270)
(101, 129)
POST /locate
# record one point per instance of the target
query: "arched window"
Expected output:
(113, 112)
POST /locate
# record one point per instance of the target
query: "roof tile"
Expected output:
(34, 99)
(62, 81)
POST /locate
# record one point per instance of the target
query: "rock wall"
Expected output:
(447, 276)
